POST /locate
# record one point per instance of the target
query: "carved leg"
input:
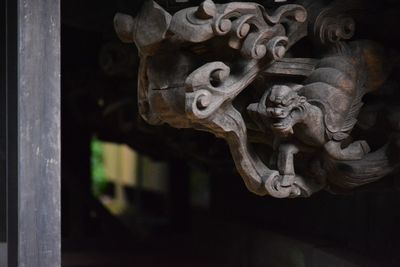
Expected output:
(275, 153)
(288, 184)
(285, 163)
(355, 151)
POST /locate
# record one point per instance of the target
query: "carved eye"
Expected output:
(272, 103)
(288, 102)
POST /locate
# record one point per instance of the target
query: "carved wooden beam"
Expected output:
(201, 68)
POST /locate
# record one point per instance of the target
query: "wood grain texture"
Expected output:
(3, 254)
(34, 179)
(3, 99)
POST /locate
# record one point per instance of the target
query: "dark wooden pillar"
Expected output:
(3, 101)
(30, 91)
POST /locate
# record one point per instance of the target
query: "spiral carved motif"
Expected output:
(331, 28)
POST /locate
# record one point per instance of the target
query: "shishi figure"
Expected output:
(322, 112)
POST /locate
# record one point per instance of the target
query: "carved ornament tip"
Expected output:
(124, 26)
(206, 10)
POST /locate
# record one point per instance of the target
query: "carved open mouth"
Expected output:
(283, 125)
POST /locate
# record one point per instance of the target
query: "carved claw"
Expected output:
(275, 189)
(305, 188)
(287, 180)
(297, 187)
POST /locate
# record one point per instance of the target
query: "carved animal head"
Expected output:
(181, 72)
(281, 102)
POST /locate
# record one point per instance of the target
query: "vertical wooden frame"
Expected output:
(3, 181)
(3, 101)
(31, 52)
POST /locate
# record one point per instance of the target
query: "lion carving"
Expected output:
(200, 66)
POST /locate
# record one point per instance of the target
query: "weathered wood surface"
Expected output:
(3, 254)
(33, 141)
(3, 99)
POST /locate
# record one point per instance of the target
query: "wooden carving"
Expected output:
(295, 124)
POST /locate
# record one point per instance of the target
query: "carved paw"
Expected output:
(361, 146)
(282, 186)
(355, 151)
(274, 188)
(287, 180)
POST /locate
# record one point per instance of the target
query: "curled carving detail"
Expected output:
(331, 27)
(277, 47)
(294, 12)
(222, 25)
(229, 69)
(247, 23)
(257, 44)
(241, 26)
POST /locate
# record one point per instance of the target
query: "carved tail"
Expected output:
(374, 166)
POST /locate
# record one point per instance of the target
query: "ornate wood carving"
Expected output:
(294, 120)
